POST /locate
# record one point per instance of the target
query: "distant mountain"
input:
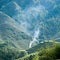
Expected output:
(34, 14)
(11, 33)
(39, 46)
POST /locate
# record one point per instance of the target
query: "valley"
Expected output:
(29, 29)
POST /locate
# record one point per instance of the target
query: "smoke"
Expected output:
(36, 34)
(41, 26)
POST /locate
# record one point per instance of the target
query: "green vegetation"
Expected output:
(9, 53)
(36, 57)
(37, 47)
(48, 53)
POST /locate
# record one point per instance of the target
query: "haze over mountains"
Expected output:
(20, 19)
(12, 33)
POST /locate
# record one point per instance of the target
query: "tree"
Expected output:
(36, 57)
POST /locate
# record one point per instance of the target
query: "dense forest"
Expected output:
(44, 53)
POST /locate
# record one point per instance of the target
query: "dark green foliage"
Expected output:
(57, 51)
(48, 53)
(9, 53)
(36, 57)
(22, 54)
(45, 58)
(30, 57)
(37, 47)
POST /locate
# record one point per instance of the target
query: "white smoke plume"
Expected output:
(35, 38)
(37, 33)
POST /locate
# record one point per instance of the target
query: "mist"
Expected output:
(36, 34)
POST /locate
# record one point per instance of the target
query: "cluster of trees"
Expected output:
(47, 53)
(8, 53)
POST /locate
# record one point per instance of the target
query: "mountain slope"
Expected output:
(12, 33)
(34, 14)
(47, 53)
(39, 46)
